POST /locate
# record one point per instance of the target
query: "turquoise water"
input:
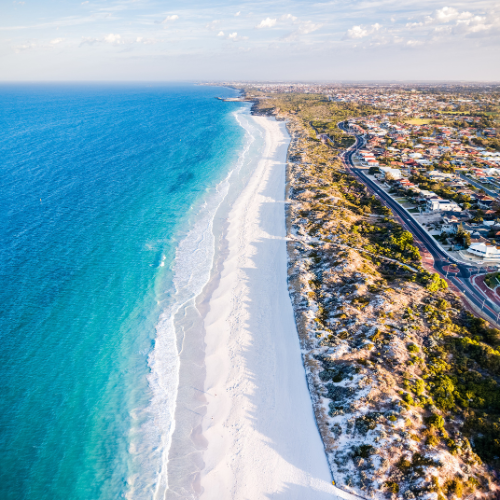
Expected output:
(99, 184)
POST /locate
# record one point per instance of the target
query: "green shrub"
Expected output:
(435, 421)
(454, 486)
(392, 486)
(432, 441)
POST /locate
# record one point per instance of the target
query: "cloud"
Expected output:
(86, 1)
(25, 46)
(303, 29)
(288, 17)
(56, 41)
(476, 25)
(221, 33)
(448, 22)
(112, 39)
(146, 41)
(237, 13)
(173, 17)
(212, 25)
(266, 23)
(235, 38)
(357, 32)
(447, 14)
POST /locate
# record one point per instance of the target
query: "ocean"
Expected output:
(108, 196)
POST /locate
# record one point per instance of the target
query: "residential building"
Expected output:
(440, 205)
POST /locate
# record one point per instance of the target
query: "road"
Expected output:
(489, 192)
(462, 279)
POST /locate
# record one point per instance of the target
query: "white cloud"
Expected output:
(357, 32)
(303, 29)
(266, 23)
(237, 13)
(235, 38)
(173, 17)
(113, 39)
(288, 17)
(221, 33)
(86, 1)
(475, 25)
(212, 25)
(146, 41)
(447, 14)
(56, 41)
(25, 46)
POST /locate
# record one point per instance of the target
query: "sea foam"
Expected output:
(191, 272)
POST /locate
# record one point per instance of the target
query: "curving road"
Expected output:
(462, 281)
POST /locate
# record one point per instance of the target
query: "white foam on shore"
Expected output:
(191, 272)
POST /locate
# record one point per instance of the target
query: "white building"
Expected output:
(486, 252)
(440, 205)
(391, 172)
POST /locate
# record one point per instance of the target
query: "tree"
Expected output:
(436, 283)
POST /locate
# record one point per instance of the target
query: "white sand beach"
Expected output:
(263, 442)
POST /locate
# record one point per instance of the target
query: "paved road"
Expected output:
(441, 258)
(489, 192)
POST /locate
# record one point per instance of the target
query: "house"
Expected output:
(438, 204)
(485, 201)
(453, 220)
(435, 175)
(427, 195)
(394, 173)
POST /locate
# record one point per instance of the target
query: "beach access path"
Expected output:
(263, 442)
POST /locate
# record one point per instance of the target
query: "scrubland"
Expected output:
(403, 380)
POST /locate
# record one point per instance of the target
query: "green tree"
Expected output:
(436, 283)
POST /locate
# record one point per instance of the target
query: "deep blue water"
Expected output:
(98, 184)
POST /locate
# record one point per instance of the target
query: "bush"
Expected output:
(432, 441)
(392, 486)
(454, 486)
(435, 421)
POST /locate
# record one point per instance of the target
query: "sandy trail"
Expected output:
(263, 442)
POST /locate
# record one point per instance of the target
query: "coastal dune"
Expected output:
(262, 437)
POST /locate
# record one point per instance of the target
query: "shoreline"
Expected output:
(261, 436)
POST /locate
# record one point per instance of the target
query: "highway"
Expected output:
(441, 259)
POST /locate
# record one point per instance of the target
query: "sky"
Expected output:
(338, 40)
